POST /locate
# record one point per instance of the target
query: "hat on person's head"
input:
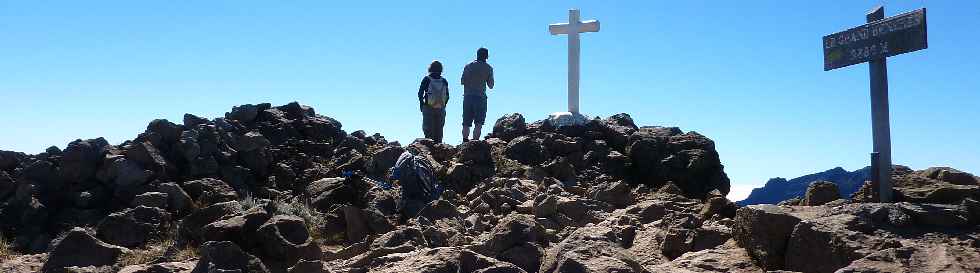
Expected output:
(482, 54)
(435, 67)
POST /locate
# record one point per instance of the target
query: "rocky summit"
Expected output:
(267, 189)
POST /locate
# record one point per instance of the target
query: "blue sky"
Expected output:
(747, 74)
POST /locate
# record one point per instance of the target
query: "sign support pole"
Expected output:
(881, 132)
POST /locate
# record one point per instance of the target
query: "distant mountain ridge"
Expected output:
(779, 189)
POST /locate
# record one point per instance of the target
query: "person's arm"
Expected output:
(447, 89)
(422, 87)
(462, 79)
(490, 80)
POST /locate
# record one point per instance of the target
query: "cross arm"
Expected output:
(556, 29)
(564, 28)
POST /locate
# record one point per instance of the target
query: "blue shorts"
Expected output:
(474, 110)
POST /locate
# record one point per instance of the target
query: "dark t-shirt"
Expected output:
(475, 77)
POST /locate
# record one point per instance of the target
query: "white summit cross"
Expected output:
(572, 29)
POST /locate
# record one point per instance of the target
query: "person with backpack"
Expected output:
(477, 76)
(418, 183)
(433, 97)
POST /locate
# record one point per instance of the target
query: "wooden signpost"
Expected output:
(872, 42)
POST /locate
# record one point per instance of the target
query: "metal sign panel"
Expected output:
(891, 36)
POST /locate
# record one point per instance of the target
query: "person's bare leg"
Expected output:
(476, 132)
(466, 132)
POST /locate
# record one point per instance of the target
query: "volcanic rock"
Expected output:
(764, 231)
(78, 248)
(133, 227)
(224, 256)
(820, 192)
(151, 199)
(285, 239)
(178, 200)
(590, 249)
(210, 191)
(509, 127)
(443, 259)
(191, 227)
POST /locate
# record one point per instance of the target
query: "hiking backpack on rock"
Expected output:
(417, 178)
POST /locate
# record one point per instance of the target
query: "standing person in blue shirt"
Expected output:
(477, 76)
(433, 97)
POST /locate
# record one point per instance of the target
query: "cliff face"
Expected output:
(779, 189)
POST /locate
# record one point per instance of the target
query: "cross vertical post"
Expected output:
(574, 51)
(573, 29)
(880, 129)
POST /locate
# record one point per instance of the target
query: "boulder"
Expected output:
(162, 133)
(410, 236)
(583, 211)
(286, 239)
(936, 215)
(659, 154)
(78, 248)
(925, 258)
(133, 227)
(764, 231)
(616, 193)
(617, 130)
(590, 249)
(231, 229)
(820, 192)
(718, 205)
(252, 141)
(81, 158)
(950, 175)
(191, 227)
(190, 120)
(149, 157)
(545, 205)
(241, 229)
(470, 165)
(509, 127)
(713, 233)
(210, 191)
(828, 243)
(178, 201)
(924, 187)
(329, 191)
(442, 259)
(525, 150)
(243, 113)
(475, 152)
(382, 160)
(727, 258)
(513, 230)
(224, 256)
(561, 168)
(294, 110)
(362, 222)
(124, 173)
(679, 234)
(151, 199)
(526, 256)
